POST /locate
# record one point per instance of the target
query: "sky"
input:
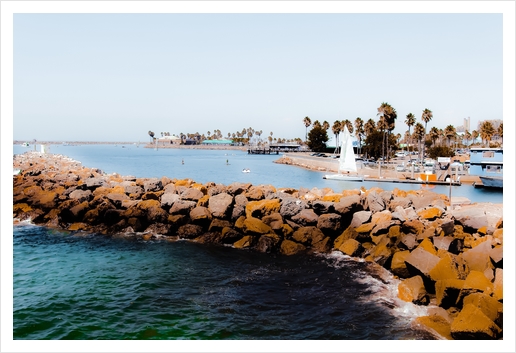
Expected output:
(114, 77)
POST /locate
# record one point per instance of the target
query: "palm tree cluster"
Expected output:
(244, 136)
(376, 138)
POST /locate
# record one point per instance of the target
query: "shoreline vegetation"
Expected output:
(450, 258)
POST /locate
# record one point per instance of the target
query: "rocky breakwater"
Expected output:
(449, 260)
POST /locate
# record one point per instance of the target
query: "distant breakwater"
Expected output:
(451, 259)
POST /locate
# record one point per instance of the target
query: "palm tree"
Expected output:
(325, 125)
(486, 131)
(467, 136)
(426, 117)
(336, 130)
(382, 126)
(449, 132)
(151, 134)
(474, 136)
(419, 134)
(359, 131)
(500, 131)
(369, 128)
(348, 124)
(307, 123)
(410, 121)
(434, 134)
(389, 114)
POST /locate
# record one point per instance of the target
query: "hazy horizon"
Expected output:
(114, 77)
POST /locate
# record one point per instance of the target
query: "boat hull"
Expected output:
(492, 181)
(343, 177)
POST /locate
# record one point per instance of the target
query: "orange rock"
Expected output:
(498, 284)
(254, 226)
(380, 217)
(412, 290)
(446, 268)
(78, 226)
(478, 258)
(437, 324)
(430, 213)
(489, 305)
(427, 245)
(472, 323)
(289, 247)
(245, 242)
(262, 208)
(351, 247)
(364, 228)
(447, 291)
(398, 266)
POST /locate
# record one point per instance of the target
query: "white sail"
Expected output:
(347, 161)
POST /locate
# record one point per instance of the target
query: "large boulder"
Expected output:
(182, 207)
(153, 184)
(375, 201)
(81, 195)
(291, 206)
(220, 205)
(329, 223)
(348, 204)
(472, 323)
(289, 247)
(262, 208)
(306, 217)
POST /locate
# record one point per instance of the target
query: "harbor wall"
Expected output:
(450, 259)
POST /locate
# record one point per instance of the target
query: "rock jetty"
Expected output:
(451, 259)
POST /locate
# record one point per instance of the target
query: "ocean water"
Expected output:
(75, 286)
(210, 166)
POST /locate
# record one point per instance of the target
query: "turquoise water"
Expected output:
(73, 286)
(70, 287)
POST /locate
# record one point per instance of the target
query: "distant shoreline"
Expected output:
(142, 144)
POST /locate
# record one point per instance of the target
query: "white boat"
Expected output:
(347, 162)
(25, 144)
(246, 170)
(487, 164)
(492, 181)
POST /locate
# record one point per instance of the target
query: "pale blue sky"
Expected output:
(113, 77)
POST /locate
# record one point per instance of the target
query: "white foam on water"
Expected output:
(383, 287)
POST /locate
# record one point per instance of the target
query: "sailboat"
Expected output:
(347, 161)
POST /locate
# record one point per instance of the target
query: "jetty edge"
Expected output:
(451, 259)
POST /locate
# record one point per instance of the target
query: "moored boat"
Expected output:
(347, 162)
(487, 164)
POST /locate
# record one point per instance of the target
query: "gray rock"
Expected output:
(220, 205)
(321, 207)
(153, 184)
(375, 202)
(360, 218)
(329, 223)
(306, 217)
(93, 183)
(472, 218)
(239, 206)
(117, 198)
(216, 189)
(191, 194)
(81, 195)
(237, 188)
(168, 199)
(182, 207)
(348, 204)
(290, 206)
(133, 189)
